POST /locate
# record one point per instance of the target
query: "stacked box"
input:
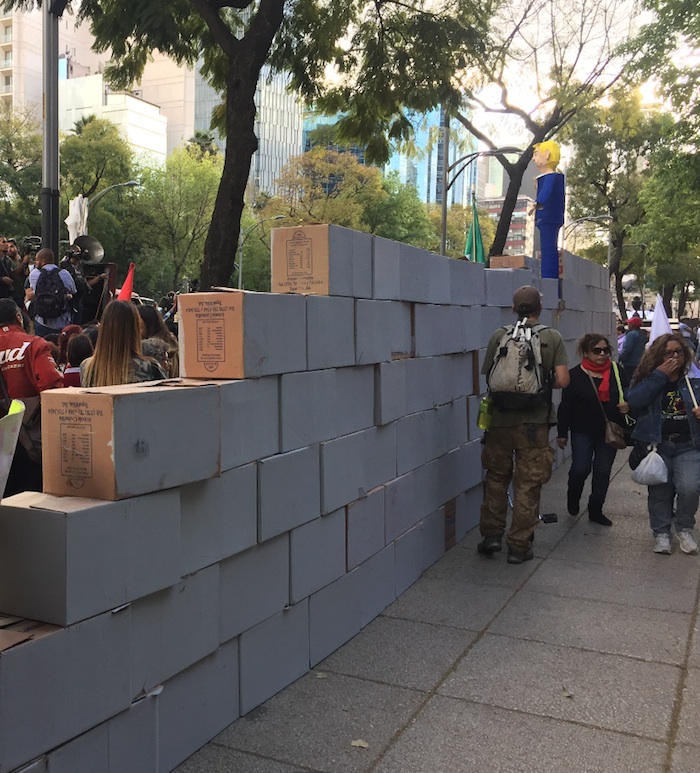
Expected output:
(241, 334)
(330, 332)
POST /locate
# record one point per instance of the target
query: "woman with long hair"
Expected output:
(154, 327)
(64, 336)
(118, 358)
(665, 401)
(591, 398)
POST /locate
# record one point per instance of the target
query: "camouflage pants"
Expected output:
(526, 445)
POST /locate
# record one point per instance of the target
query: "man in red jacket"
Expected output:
(27, 368)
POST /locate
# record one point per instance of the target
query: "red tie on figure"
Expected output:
(128, 286)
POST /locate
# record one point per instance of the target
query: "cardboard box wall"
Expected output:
(122, 441)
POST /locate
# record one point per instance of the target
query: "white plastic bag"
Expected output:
(652, 470)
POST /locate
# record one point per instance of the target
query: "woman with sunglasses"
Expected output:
(591, 397)
(665, 401)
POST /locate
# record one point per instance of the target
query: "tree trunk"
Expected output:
(666, 296)
(241, 143)
(682, 299)
(516, 173)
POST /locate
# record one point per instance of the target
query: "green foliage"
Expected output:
(671, 227)
(612, 145)
(176, 203)
(458, 222)
(400, 215)
(20, 171)
(94, 158)
(325, 186)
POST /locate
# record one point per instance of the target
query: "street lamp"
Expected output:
(100, 194)
(465, 161)
(241, 242)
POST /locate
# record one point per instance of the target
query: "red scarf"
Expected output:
(604, 386)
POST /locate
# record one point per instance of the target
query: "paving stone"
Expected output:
(690, 708)
(685, 759)
(651, 635)
(608, 691)
(640, 587)
(467, 567)
(313, 722)
(444, 602)
(400, 652)
(694, 655)
(452, 736)
(223, 760)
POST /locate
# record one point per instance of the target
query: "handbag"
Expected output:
(652, 470)
(614, 434)
(630, 422)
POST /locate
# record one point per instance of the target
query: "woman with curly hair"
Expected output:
(118, 358)
(665, 401)
(591, 397)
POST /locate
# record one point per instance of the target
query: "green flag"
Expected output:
(474, 248)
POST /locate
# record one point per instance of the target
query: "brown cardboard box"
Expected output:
(238, 334)
(321, 260)
(300, 260)
(210, 333)
(507, 261)
(123, 441)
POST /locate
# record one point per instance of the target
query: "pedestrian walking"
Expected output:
(665, 401)
(516, 445)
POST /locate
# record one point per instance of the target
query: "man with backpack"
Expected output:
(523, 363)
(50, 291)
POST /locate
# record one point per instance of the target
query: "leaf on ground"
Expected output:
(320, 675)
(566, 693)
(362, 744)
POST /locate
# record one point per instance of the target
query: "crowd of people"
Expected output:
(54, 333)
(651, 394)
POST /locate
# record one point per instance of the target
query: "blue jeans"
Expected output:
(43, 330)
(683, 462)
(588, 453)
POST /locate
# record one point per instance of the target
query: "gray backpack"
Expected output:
(516, 380)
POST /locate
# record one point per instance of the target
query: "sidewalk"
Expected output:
(581, 660)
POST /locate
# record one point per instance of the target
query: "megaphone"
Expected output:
(92, 250)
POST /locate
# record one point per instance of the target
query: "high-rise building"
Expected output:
(21, 45)
(424, 168)
(188, 100)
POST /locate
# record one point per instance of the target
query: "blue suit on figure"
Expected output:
(549, 205)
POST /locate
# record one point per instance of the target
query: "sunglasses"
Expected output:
(601, 350)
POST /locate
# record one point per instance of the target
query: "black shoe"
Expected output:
(517, 557)
(598, 517)
(490, 545)
(572, 504)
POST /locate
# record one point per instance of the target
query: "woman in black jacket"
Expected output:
(592, 395)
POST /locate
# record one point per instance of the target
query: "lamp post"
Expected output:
(91, 202)
(447, 168)
(242, 240)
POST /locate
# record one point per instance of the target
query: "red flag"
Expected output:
(128, 286)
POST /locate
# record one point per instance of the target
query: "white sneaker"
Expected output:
(687, 542)
(662, 543)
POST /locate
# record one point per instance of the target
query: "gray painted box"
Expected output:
(64, 559)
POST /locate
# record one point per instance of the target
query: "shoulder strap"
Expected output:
(617, 379)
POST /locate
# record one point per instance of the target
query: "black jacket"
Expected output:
(579, 410)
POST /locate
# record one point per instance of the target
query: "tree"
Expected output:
(325, 186)
(458, 222)
(203, 142)
(20, 171)
(94, 157)
(567, 51)
(671, 226)
(235, 39)
(178, 201)
(667, 40)
(612, 144)
(400, 216)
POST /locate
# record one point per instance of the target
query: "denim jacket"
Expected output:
(645, 398)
